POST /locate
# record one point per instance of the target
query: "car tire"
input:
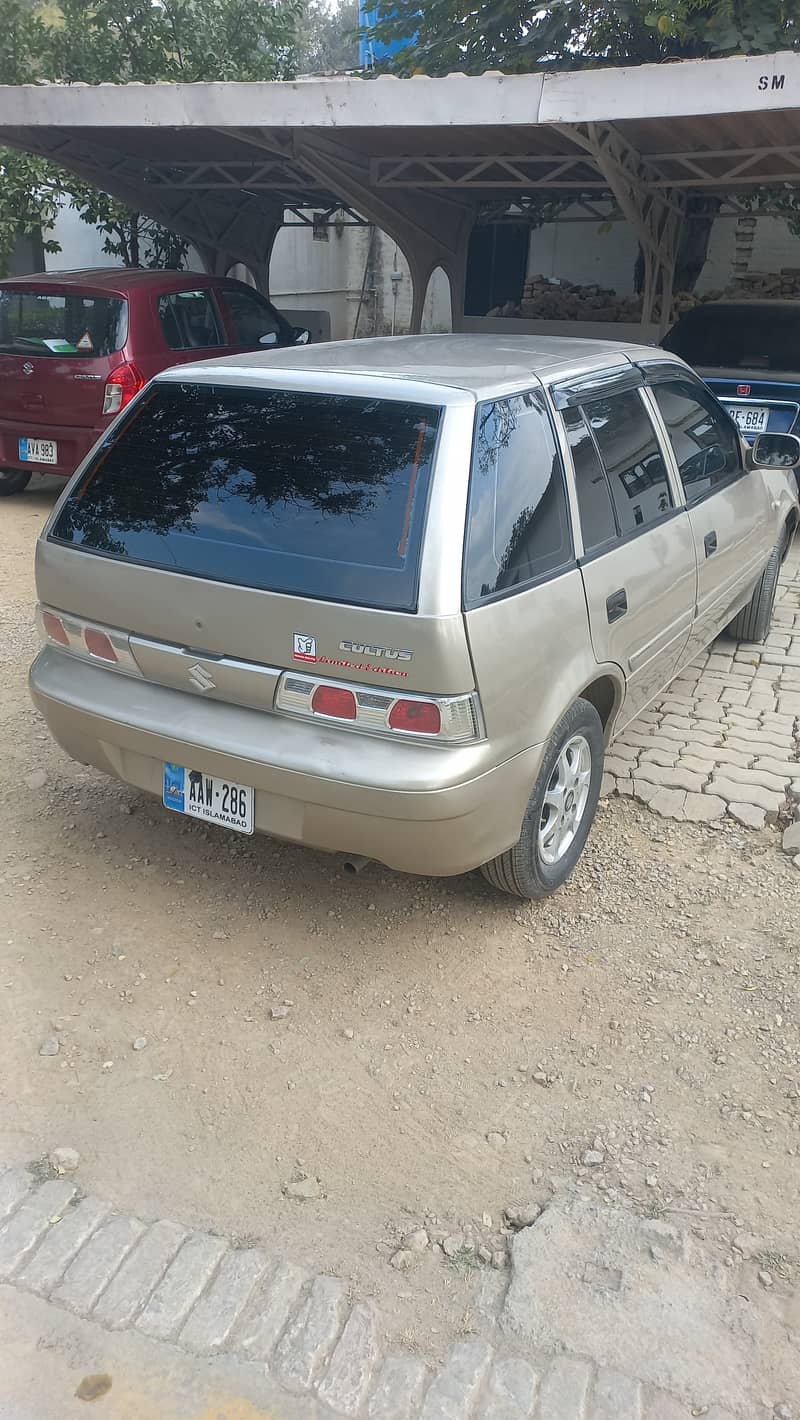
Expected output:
(13, 480)
(754, 620)
(571, 774)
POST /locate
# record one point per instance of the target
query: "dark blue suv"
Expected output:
(748, 353)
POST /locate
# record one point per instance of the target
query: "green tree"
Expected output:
(328, 37)
(118, 41)
(572, 34)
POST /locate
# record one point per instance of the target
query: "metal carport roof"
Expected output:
(218, 162)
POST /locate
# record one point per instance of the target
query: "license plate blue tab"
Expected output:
(175, 787)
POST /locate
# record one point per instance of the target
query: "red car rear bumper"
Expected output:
(72, 443)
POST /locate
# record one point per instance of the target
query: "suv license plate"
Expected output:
(38, 451)
(751, 418)
(188, 791)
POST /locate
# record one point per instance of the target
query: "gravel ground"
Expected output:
(235, 1017)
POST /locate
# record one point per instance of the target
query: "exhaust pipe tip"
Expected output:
(355, 863)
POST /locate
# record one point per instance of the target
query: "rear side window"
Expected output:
(598, 524)
(311, 494)
(518, 527)
(251, 316)
(704, 439)
(38, 323)
(190, 321)
(632, 458)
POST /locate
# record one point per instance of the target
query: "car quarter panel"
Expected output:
(533, 656)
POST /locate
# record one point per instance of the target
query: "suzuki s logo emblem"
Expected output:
(27, 368)
(201, 680)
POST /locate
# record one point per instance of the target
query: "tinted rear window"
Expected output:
(312, 494)
(37, 323)
(738, 338)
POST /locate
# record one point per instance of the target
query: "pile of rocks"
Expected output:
(545, 299)
(552, 298)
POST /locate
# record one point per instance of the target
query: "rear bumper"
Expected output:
(73, 444)
(417, 808)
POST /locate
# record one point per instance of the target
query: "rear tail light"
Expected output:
(98, 644)
(54, 628)
(448, 719)
(333, 700)
(121, 385)
(86, 640)
(416, 717)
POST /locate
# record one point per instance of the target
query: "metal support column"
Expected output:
(656, 213)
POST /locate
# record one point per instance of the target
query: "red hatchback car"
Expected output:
(76, 346)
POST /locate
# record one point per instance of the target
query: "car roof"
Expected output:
(115, 280)
(478, 364)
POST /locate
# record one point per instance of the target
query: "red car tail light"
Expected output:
(121, 385)
(97, 643)
(333, 700)
(416, 717)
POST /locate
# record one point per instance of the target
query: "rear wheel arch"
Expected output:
(606, 694)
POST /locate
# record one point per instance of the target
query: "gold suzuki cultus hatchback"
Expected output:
(391, 598)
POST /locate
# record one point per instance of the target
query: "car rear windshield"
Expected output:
(316, 495)
(41, 323)
(738, 338)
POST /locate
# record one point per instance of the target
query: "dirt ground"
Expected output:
(648, 1012)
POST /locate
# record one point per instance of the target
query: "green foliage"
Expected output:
(118, 41)
(28, 201)
(132, 238)
(516, 37)
(729, 26)
(328, 38)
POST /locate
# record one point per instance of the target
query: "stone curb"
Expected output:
(196, 1291)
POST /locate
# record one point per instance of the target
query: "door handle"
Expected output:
(710, 543)
(616, 604)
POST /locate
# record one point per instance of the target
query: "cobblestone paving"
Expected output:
(726, 736)
(196, 1291)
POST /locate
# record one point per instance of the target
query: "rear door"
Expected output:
(191, 326)
(729, 509)
(639, 569)
(252, 321)
(57, 349)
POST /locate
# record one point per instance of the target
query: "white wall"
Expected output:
(774, 248)
(304, 273)
(330, 274)
(582, 252)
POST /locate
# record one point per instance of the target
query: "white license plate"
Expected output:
(38, 451)
(187, 791)
(751, 418)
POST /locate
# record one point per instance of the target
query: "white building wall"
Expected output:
(305, 274)
(585, 253)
